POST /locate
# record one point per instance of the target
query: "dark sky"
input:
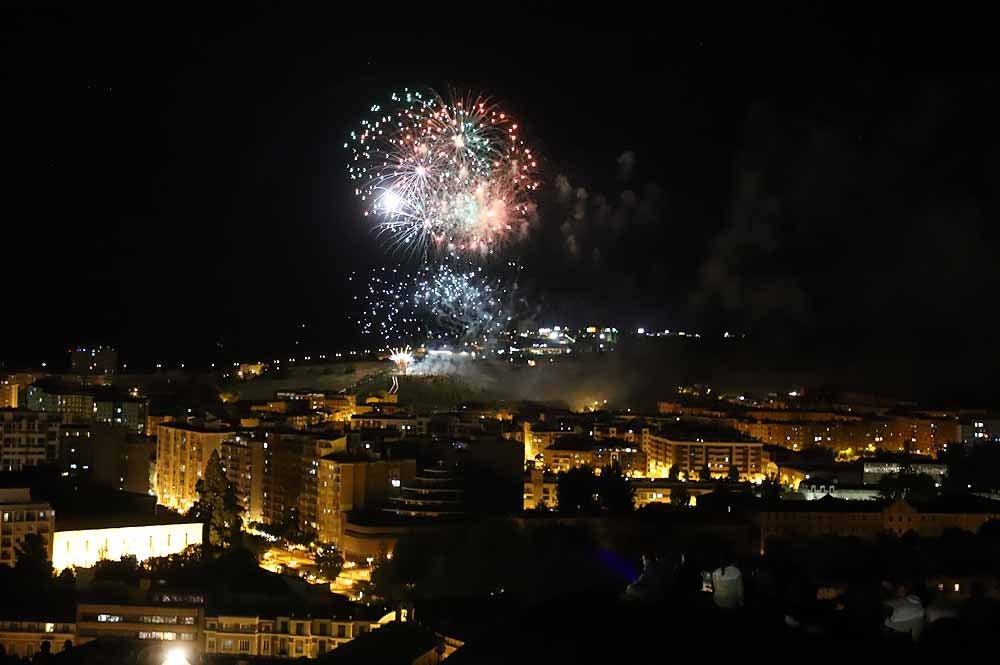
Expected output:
(824, 181)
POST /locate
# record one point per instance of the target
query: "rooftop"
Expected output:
(687, 431)
(574, 442)
(393, 644)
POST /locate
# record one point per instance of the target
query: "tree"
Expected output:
(575, 490)
(680, 496)
(328, 561)
(217, 506)
(615, 493)
(770, 490)
(914, 487)
(580, 490)
(32, 563)
(734, 474)
(674, 472)
(66, 581)
(704, 473)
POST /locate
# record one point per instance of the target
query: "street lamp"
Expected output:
(176, 657)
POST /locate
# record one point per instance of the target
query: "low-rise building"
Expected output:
(84, 542)
(281, 636)
(404, 425)
(23, 637)
(152, 624)
(870, 519)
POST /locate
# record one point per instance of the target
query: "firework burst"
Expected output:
(442, 176)
(402, 358)
(452, 302)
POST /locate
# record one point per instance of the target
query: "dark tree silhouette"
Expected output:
(32, 560)
(580, 490)
(575, 490)
(704, 473)
(329, 562)
(217, 506)
(914, 487)
(734, 474)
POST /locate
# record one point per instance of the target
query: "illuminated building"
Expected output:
(596, 340)
(539, 436)
(182, 453)
(291, 467)
(127, 412)
(250, 370)
(148, 623)
(569, 452)
(86, 404)
(922, 435)
(813, 490)
(349, 482)
(94, 360)
(84, 544)
(403, 424)
(979, 429)
(547, 342)
(19, 516)
(24, 637)
(282, 636)
(692, 446)
(27, 438)
(8, 394)
(243, 458)
(658, 490)
(873, 470)
(576, 450)
(540, 490)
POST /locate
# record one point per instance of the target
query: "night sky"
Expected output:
(824, 182)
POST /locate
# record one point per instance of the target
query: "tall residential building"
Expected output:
(243, 458)
(95, 360)
(19, 516)
(347, 482)
(182, 453)
(27, 438)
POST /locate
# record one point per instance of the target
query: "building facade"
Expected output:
(24, 638)
(347, 483)
(691, 451)
(182, 453)
(20, 516)
(27, 438)
(84, 547)
(75, 404)
(282, 636)
(155, 625)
